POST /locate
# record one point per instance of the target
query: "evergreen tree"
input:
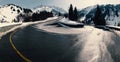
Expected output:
(27, 10)
(66, 15)
(116, 12)
(98, 19)
(71, 12)
(41, 16)
(75, 14)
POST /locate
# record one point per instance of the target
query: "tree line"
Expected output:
(41, 16)
(98, 18)
(73, 13)
(30, 16)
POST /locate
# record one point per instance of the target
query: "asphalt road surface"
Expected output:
(92, 45)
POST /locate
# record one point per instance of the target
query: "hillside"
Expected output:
(110, 12)
(12, 13)
(55, 10)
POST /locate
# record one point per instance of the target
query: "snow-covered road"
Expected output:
(95, 48)
(98, 45)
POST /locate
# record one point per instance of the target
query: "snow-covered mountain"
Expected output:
(53, 9)
(110, 12)
(9, 12)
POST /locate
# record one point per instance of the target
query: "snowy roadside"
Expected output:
(55, 28)
(60, 30)
(95, 49)
(97, 43)
(9, 27)
(6, 26)
(114, 27)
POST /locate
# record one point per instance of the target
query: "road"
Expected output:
(89, 45)
(35, 45)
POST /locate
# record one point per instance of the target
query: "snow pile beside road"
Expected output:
(61, 30)
(114, 27)
(67, 21)
(8, 24)
(51, 18)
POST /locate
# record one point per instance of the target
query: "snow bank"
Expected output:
(67, 21)
(114, 27)
(8, 24)
(61, 30)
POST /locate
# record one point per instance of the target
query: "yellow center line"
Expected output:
(15, 49)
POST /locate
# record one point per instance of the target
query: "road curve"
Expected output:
(9, 51)
(16, 50)
(90, 45)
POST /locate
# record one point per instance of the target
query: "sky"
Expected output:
(60, 3)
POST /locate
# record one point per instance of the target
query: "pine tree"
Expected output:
(75, 14)
(71, 12)
(98, 19)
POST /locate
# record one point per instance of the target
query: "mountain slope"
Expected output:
(9, 12)
(12, 13)
(53, 9)
(110, 12)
